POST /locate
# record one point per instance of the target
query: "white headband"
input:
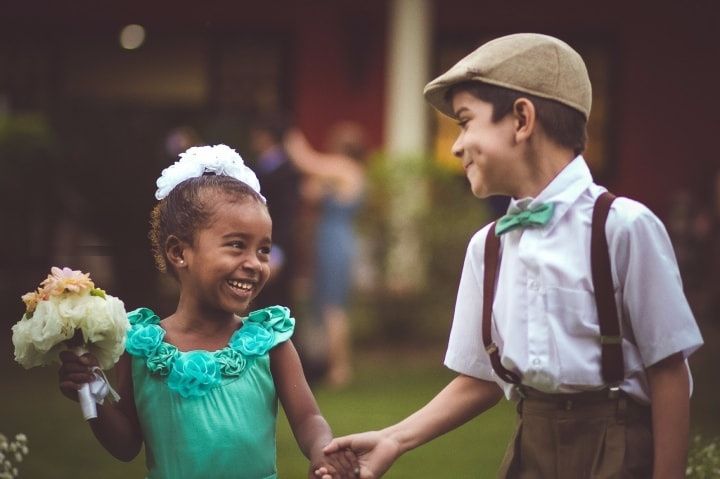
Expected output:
(218, 159)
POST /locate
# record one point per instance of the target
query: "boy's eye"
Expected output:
(237, 244)
(463, 123)
(265, 250)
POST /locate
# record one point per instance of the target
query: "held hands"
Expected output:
(375, 452)
(74, 372)
(342, 464)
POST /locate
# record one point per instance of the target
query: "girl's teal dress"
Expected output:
(208, 414)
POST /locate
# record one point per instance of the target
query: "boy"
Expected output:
(583, 390)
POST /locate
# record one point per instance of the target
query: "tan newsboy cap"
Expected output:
(531, 63)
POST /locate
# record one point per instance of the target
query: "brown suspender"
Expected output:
(492, 257)
(610, 339)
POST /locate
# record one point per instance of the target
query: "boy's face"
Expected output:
(486, 149)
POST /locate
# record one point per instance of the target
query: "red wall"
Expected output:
(339, 69)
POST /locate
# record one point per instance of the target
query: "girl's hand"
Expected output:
(376, 452)
(338, 465)
(74, 372)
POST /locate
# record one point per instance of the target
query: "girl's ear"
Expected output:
(175, 252)
(525, 117)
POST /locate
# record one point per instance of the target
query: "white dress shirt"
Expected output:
(545, 319)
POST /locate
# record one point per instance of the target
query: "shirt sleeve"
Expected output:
(653, 301)
(465, 353)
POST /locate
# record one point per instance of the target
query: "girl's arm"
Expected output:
(117, 427)
(309, 427)
(670, 398)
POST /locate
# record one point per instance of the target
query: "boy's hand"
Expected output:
(342, 464)
(375, 451)
(74, 372)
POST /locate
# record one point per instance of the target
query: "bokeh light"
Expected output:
(132, 36)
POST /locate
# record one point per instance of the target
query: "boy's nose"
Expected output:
(457, 149)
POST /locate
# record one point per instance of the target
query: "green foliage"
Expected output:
(446, 220)
(704, 459)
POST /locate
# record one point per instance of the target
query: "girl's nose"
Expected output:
(252, 262)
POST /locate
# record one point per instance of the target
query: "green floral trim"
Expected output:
(194, 373)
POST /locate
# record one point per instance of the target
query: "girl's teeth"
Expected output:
(240, 285)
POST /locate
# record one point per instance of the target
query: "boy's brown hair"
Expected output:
(565, 125)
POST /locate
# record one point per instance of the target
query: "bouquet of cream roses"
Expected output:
(67, 311)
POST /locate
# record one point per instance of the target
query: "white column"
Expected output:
(406, 137)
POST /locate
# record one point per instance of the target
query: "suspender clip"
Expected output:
(491, 348)
(610, 339)
(614, 392)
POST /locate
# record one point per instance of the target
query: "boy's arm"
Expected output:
(116, 427)
(309, 427)
(461, 400)
(670, 396)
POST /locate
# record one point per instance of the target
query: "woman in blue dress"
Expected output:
(335, 180)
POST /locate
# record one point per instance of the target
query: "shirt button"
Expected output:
(536, 362)
(533, 285)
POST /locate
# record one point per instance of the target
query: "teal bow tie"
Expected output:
(537, 216)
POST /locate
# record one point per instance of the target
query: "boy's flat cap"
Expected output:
(531, 63)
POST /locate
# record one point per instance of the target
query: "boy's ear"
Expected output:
(525, 117)
(175, 252)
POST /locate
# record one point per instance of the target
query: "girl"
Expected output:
(200, 387)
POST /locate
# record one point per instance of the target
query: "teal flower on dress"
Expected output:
(231, 362)
(143, 316)
(275, 317)
(144, 340)
(194, 373)
(161, 361)
(252, 340)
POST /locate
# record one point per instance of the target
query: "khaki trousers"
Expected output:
(585, 436)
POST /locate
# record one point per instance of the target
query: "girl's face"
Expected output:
(229, 261)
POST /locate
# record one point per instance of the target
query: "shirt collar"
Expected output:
(563, 191)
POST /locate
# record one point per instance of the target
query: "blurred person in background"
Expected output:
(180, 139)
(335, 182)
(694, 224)
(279, 180)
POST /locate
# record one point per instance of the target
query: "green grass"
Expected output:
(387, 388)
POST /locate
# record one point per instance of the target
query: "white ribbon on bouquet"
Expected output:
(93, 393)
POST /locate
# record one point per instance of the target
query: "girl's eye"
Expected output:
(265, 250)
(237, 244)
(463, 124)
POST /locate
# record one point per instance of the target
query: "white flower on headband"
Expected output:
(218, 159)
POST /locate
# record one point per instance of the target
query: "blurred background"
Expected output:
(96, 98)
